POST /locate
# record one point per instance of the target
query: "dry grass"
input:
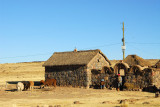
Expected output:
(31, 71)
(63, 96)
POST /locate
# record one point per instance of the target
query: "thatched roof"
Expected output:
(73, 58)
(152, 61)
(132, 60)
(158, 63)
(114, 62)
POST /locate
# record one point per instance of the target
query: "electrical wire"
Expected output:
(95, 47)
(143, 43)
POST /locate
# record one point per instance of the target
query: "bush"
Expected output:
(129, 86)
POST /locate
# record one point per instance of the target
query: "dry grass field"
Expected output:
(63, 96)
(29, 71)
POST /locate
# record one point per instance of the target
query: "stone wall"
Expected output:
(96, 65)
(75, 76)
(80, 76)
(109, 78)
(111, 82)
(139, 80)
(156, 77)
(97, 62)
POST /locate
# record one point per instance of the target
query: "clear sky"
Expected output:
(32, 30)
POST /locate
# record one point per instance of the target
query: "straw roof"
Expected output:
(73, 58)
(158, 63)
(132, 60)
(114, 62)
(152, 61)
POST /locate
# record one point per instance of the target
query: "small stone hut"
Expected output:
(136, 63)
(132, 69)
(77, 68)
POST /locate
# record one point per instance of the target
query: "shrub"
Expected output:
(129, 86)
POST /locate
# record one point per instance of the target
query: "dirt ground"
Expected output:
(62, 96)
(76, 97)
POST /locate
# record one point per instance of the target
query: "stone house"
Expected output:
(77, 68)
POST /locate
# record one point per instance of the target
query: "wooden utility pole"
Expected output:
(123, 46)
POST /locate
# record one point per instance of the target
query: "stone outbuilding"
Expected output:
(133, 71)
(77, 68)
(136, 63)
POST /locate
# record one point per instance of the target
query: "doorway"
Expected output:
(122, 69)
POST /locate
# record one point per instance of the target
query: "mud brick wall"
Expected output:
(75, 76)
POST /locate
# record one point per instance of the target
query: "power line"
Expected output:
(143, 43)
(95, 47)
(52, 52)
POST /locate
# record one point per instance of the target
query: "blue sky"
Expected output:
(32, 30)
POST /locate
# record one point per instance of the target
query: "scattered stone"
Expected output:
(156, 94)
(130, 101)
(121, 101)
(57, 106)
(107, 102)
(145, 103)
(104, 102)
(77, 102)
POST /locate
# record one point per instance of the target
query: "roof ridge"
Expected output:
(82, 57)
(78, 51)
